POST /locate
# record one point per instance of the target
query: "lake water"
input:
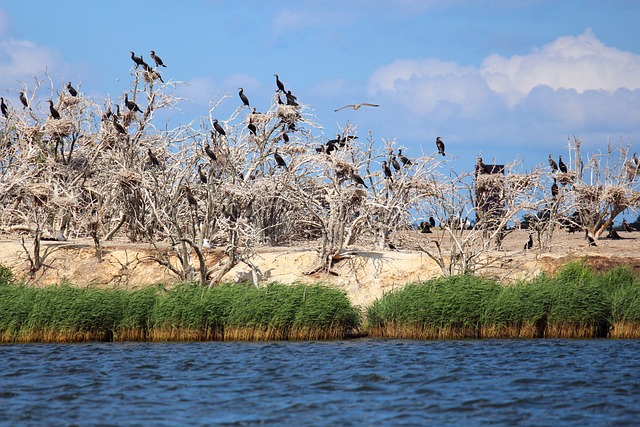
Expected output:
(338, 383)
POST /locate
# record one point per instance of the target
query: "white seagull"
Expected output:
(357, 106)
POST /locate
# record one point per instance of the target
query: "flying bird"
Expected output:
(357, 106)
(157, 59)
(244, 98)
(72, 90)
(440, 145)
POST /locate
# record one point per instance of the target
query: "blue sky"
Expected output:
(502, 79)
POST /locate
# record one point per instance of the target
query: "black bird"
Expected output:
(480, 167)
(218, 127)
(405, 161)
(192, 200)
(553, 164)
(146, 66)
(3, 107)
(590, 239)
(440, 145)
(554, 188)
(130, 104)
(432, 222)
(54, 113)
(346, 138)
(279, 160)
(152, 157)
(425, 227)
(626, 227)
(119, 128)
(157, 59)
(636, 160)
(291, 100)
(23, 99)
(280, 100)
(252, 127)
(331, 146)
(137, 59)
(529, 243)
(72, 90)
(201, 175)
(386, 170)
(394, 162)
(243, 97)
(320, 149)
(561, 165)
(210, 153)
(358, 179)
(279, 84)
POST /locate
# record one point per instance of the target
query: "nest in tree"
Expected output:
(565, 178)
(589, 193)
(288, 112)
(426, 188)
(634, 199)
(129, 179)
(59, 128)
(66, 100)
(64, 202)
(291, 149)
(151, 76)
(520, 181)
(632, 170)
(127, 117)
(258, 118)
(39, 191)
(489, 182)
(616, 196)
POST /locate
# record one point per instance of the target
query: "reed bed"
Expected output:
(187, 312)
(575, 303)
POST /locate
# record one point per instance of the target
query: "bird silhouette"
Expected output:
(210, 153)
(152, 158)
(23, 99)
(279, 84)
(244, 98)
(440, 145)
(404, 159)
(201, 175)
(554, 188)
(357, 106)
(394, 162)
(358, 179)
(561, 165)
(118, 127)
(190, 198)
(130, 104)
(279, 160)
(387, 171)
(54, 113)
(157, 59)
(218, 127)
(252, 128)
(72, 90)
(3, 107)
(136, 59)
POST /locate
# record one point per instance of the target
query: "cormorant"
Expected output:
(252, 127)
(203, 177)
(331, 146)
(210, 152)
(130, 104)
(480, 168)
(529, 243)
(23, 99)
(394, 162)
(3, 107)
(357, 106)
(358, 179)
(146, 66)
(553, 164)
(72, 90)
(243, 97)
(636, 160)
(561, 165)
(285, 137)
(279, 160)
(425, 227)
(157, 59)
(626, 227)
(320, 149)
(291, 100)
(279, 84)
(432, 222)
(54, 113)
(218, 127)
(440, 145)
(119, 128)
(192, 200)
(405, 161)
(554, 188)
(589, 238)
(152, 157)
(137, 59)
(386, 170)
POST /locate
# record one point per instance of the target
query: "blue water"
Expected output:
(338, 383)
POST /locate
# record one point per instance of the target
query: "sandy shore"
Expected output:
(365, 274)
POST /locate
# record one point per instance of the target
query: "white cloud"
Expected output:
(22, 59)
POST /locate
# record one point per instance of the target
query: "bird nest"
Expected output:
(258, 118)
(634, 199)
(589, 193)
(616, 196)
(129, 179)
(426, 188)
(151, 76)
(127, 117)
(632, 170)
(64, 202)
(519, 181)
(288, 112)
(291, 149)
(488, 182)
(66, 100)
(59, 128)
(565, 178)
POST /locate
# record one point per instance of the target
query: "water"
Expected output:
(339, 383)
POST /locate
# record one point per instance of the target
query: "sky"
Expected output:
(503, 79)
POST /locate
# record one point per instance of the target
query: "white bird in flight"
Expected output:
(357, 106)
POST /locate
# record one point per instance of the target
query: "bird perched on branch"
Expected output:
(243, 97)
(136, 59)
(404, 159)
(23, 99)
(190, 198)
(561, 165)
(291, 100)
(157, 59)
(386, 170)
(440, 145)
(54, 113)
(554, 189)
(252, 128)
(553, 164)
(279, 160)
(279, 84)
(210, 152)
(357, 106)
(358, 179)
(218, 127)
(394, 162)
(130, 104)
(118, 127)
(72, 90)
(3, 107)
(152, 158)
(202, 175)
